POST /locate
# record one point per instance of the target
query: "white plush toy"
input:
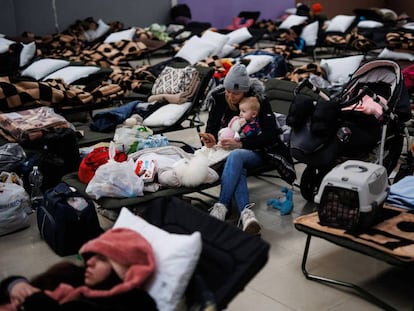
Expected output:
(133, 120)
(193, 171)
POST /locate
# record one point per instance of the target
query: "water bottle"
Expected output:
(35, 181)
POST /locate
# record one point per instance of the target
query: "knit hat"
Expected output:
(130, 255)
(124, 248)
(237, 79)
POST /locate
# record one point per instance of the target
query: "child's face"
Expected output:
(246, 112)
(98, 269)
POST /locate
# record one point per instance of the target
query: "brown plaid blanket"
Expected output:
(16, 94)
(400, 41)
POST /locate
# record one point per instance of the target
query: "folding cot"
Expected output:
(390, 240)
(189, 118)
(229, 259)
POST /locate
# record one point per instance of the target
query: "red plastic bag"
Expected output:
(94, 159)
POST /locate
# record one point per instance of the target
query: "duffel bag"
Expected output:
(67, 219)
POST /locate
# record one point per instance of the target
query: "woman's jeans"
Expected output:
(234, 179)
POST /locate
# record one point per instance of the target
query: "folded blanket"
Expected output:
(401, 193)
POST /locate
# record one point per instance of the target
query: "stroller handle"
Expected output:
(350, 101)
(308, 84)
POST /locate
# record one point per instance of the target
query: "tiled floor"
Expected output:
(280, 285)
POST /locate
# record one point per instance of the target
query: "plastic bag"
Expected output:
(127, 136)
(14, 202)
(12, 156)
(115, 179)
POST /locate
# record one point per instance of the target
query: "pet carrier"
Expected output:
(351, 195)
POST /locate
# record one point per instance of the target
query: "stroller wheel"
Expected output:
(310, 181)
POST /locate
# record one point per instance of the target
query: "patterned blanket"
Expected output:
(17, 94)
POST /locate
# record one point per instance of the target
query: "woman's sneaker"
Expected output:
(249, 221)
(219, 211)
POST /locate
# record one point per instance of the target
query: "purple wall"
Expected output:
(220, 13)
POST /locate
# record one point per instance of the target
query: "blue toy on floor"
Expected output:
(285, 204)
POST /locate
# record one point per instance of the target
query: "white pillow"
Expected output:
(226, 50)
(176, 256)
(239, 35)
(121, 35)
(292, 20)
(257, 62)
(310, 33)
(102, 29)
(340, 23)
(370, 24)
(409, 26)
(166, 115)
(195, 49)
(44, 67)
(27, 53)
(70, 74)
(388, 54)
(4, 44)
(339, 70)
(215, 38)
(290, 11)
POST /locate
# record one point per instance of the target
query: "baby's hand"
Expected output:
(242, 121)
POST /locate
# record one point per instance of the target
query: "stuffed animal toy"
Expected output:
(191, 172)
(188, 172)
(233, 129)
(284, 204)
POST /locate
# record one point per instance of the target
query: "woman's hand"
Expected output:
(207, 139)
(230, 143)
(20, 291)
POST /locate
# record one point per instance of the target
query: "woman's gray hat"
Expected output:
(237, 79)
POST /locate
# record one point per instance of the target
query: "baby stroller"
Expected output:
(366, 122)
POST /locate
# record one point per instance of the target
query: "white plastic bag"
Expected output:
(126, 136)
(14, 201)
(115, 179)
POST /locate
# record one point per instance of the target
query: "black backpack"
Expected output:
(65, 228)
(56, 155)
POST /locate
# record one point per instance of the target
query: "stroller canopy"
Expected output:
(384, 78)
